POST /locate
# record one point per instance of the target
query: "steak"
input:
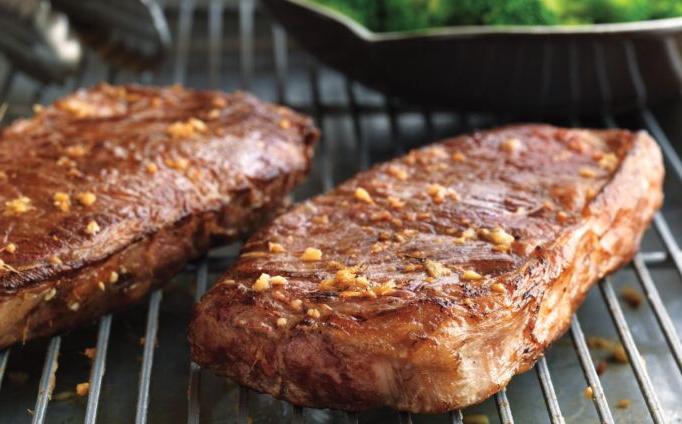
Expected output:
(427, 282)
(111, 190)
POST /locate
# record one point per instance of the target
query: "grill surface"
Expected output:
(142, 372)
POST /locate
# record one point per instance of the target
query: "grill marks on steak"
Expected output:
(421, 300)
(112, 168)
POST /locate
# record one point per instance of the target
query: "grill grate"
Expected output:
(362, 110)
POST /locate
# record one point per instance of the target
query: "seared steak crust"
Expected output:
(441, 275)
(112, 189)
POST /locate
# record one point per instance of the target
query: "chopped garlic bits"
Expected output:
(276, 247)
(437, 193)
(262, 283)
(311, 254)
(470, 275)
(609, 162)
(436, 269)
(86, 198)
(151, 168)
(92, 228)
(458, 156)
(179, 164)
(278, 280)
(397, 172)
(186, 129)
(21, 204)
(62, 201)
(587, 172)
(362, 195)
(497, 236)
(510, 145)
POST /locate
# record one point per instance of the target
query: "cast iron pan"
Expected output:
(518, 69)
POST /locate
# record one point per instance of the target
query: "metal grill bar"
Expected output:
(428, 122)
(297, 415)
(390, 107)
(638, 367)
(148, 357)
(4, 356)
(404, 418)
(279, 51)
(246, 12)
(243, 406)
(193, 407)
(456, 417)
(47, 380)
(659, 309)
(6, 84)
(503, 408)
(668, 239)
(326, 175)
(184, 33)
(98, 369)
(654, 257)
(669, 152)
(590, 372)
(215, 29)
(553, 408)
(361, 144)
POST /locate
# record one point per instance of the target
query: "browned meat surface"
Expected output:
(427, 282)
(111, 190)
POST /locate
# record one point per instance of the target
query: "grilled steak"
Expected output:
(109, 191)
(427, 282)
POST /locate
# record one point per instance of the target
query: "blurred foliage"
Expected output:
(405, 15)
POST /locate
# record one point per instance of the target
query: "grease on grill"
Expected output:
(588, 393)
(623, 403)
(82, 389)
(631, 296)
(476, 419)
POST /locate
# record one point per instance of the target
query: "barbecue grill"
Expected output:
(141, 370)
